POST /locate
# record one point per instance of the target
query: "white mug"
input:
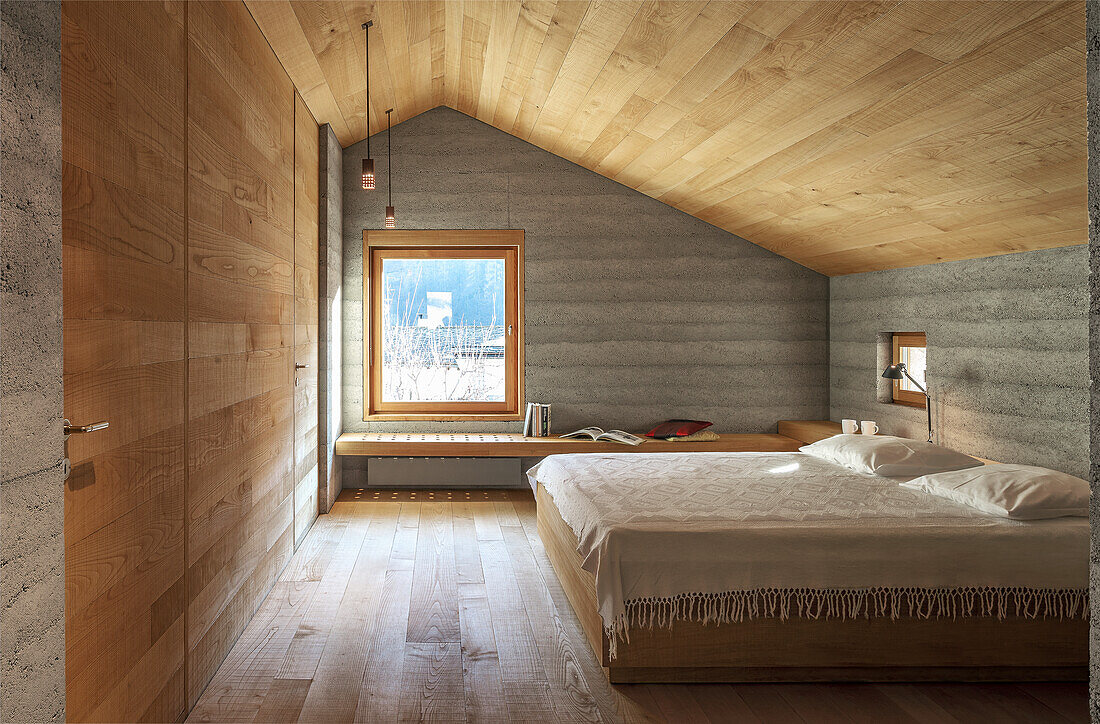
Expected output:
(849, 427)
(869, 427)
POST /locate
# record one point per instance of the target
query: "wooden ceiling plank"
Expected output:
(770, 18)
(339, 52)
(896, 73)
(971, 69)
(284, 33)
(712, 23)
(403, 97)
(623, 154)
(532, 26)
(844, 135)
(418, 31)
(614, 132)
(437, 45)
(722, 62)
(982, 23)
(599, 32)
(452, 50)
(656, 28)
(475, 37)
(559, 37)
(502, 32)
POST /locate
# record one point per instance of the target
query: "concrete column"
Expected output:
(330, 273)
(32, 551)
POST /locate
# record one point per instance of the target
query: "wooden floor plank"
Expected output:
(482, 681)
(433, 615)
(339, 675)
(336, 645)
(245, 678)
(611, 701)
(380, 690)
(467, 555)
(526, 688)
(720, 703)
(284, 700)
(316, 551)
(431, 688)
(1064, 698)
(486, 523)
(309, 641)
(916, 703)
(569, 691)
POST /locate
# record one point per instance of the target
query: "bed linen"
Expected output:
(721, 537)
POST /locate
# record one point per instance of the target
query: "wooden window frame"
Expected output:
(913, 398)
(379, 244)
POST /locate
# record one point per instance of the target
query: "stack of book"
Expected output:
(537, 421)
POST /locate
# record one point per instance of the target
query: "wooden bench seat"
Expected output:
(514, 445)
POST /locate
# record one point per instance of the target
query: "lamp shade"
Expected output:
(894, 372)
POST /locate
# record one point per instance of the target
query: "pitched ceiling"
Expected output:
(847, 136)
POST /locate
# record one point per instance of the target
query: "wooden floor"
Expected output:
(421, 606)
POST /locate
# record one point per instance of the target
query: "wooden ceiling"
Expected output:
(847, 136)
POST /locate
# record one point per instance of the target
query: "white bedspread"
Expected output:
(669, 526)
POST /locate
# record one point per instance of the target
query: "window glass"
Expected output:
(915, 362)
(443, 330)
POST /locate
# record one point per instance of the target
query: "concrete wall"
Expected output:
(635, 312)
(330, 342)
(32, 581)
(1092, 63)
(1007, 360)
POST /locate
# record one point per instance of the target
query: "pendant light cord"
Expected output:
(366, 105)
(389, 158)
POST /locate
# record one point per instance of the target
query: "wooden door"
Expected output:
(306, 442)
(124, 315)
(241, 324)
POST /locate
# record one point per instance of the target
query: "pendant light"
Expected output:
(391, 218)
(368, 162)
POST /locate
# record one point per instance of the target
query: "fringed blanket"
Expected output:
(725, 537)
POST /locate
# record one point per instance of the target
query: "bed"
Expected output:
(782, 566)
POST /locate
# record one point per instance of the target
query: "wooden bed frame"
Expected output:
(768, 649)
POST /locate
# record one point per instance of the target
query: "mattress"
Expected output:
(727, 536)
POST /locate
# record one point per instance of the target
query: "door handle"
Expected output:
(71, 429)
(299, 366)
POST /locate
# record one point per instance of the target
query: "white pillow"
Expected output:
(1022, 492)
(888, 455)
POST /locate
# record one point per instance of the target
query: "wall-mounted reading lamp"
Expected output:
(897, 372)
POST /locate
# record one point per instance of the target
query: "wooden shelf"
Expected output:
(808, 431)
(514, 445)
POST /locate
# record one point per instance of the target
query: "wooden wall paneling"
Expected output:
(846, 136)
(123, 235)
(306, 319)
(241, 281)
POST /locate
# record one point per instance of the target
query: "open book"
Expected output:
(597, 433)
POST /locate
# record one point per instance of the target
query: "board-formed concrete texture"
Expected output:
(1008, 362)
(32, 571)
(1092, 64)
(330, 278)
(635, 312)
(1007, 359)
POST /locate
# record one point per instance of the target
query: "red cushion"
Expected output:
(678, 428)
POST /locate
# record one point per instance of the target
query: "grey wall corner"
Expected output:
(330, 337)
(32, 550)
(1092, 64)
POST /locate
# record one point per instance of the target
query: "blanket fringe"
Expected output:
(784, 603)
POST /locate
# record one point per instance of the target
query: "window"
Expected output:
(443, 313)
(910, 348)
